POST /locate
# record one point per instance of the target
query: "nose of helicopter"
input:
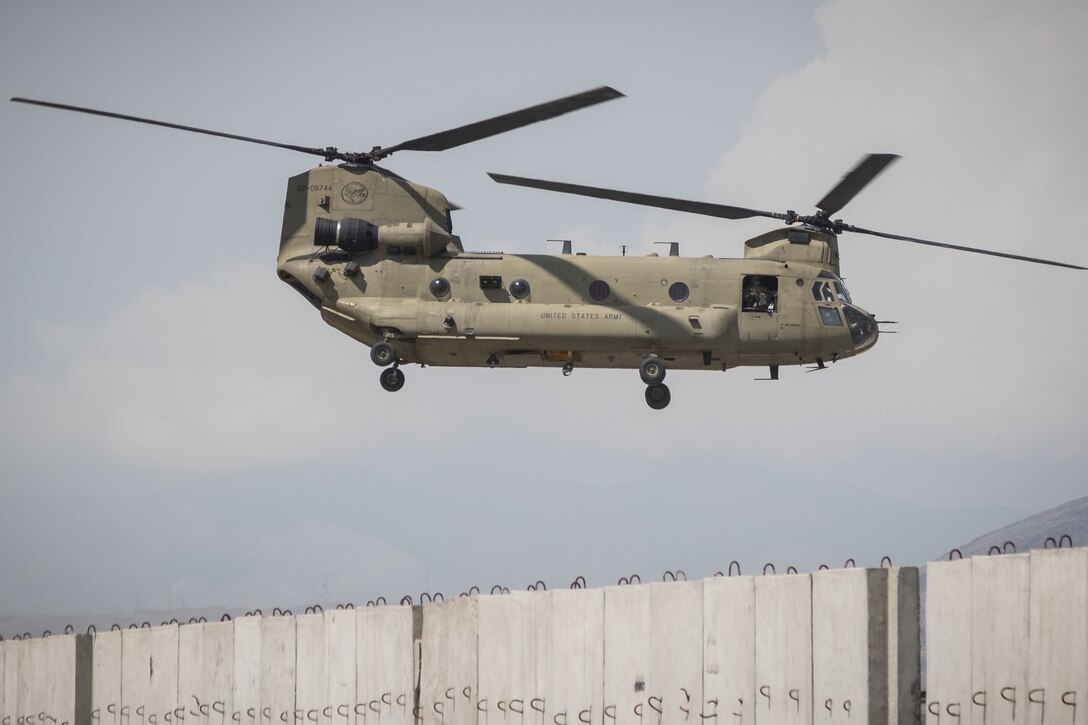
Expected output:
(863, 328)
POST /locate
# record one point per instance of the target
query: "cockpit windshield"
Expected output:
(829, 289)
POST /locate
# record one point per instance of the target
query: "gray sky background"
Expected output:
(179, 427)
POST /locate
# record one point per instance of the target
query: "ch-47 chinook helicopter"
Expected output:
(376, 255)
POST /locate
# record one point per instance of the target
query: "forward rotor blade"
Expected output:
(856, 180)
(507, 122)
(108, 114)
(990, 252)
(663, 202)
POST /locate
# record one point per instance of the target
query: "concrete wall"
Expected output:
(1007, 639)
(1007, 643)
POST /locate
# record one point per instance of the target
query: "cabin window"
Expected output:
(679, 292)
(599, 290)
(519, 289)
(440, 287)
(759, 293)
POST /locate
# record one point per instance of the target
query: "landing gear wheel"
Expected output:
(658, 395)
(383, 354)
(652, 370)
(392, 379)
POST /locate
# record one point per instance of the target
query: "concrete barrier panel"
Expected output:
(948, 642)
(5, 714)
(783, 649)
(1058, 621)
(247, 672)
(219, 671)
(277, 670)
(149, 676)
(572, 658)
(541, 658)
(653, 653)
(106, 679)
(12, 662)
(385, 651)
(18, 690)
(448, 664)
(999, 638)
(904, 646)
(340, 667)
(729, 650)
(311, 676)
(508, 657)
(206, 672)
(52, 688)
(850, 645)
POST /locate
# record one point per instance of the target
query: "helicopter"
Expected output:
(376, 255)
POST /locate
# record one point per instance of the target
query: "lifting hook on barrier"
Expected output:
(769, 564)
(406, 600)
(884, 559)
(1052, 543)
(578, 583)
(955, 551)
(472, 591)
(537, 586)
(791, 569)
(674, 575)
(625, 580)
(850, 563)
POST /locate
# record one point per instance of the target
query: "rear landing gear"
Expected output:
(392, 379)
(658, 395)
(652, 369)
(652, 372)
(383, 354)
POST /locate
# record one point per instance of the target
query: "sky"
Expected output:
(179, 428)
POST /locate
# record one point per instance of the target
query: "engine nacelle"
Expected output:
(357, 236)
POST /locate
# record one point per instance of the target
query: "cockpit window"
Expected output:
(830, 316)
(759, 293)
(830, 292)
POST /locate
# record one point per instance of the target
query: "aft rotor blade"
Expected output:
(856, 180)
(990, 252)
(663, 202)
(328, 154)
(507, 122)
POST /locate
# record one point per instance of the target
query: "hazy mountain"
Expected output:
(1069, 519)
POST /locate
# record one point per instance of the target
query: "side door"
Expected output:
(759, 308)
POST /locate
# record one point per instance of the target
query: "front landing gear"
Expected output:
(658, 395)
(652, 372)
(383, 354)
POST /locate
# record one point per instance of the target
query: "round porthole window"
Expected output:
(519, 289)
(440, 286)
(599, 290)
(679, 292)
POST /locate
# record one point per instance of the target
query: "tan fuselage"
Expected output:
(595, 311)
